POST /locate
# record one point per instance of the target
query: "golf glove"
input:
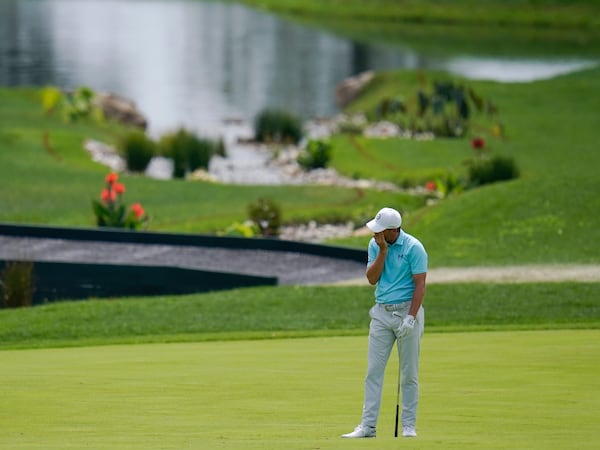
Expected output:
(407, 325)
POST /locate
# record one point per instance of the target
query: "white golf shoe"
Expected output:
(409, 431)
(361, 432)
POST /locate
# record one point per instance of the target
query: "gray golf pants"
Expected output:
(382, 336)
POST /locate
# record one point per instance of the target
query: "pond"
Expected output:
(197, 64)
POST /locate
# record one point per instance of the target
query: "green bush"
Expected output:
(188, 151)
(248, 229)
(497, 168)
(137, 149)
(449, 184)
(72, 105)
(317, 154)
(278, 127)
(17, 284)
(267, 215)
(199, 153)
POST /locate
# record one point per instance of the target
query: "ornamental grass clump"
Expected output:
(137, 149)
(17, 284)
(188, 151)
(278, 127)
(111, 211)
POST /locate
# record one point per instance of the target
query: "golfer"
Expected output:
(397, 265)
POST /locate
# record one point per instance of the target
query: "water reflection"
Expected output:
(187, 63)
(514, 71)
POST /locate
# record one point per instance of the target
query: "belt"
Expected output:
(396, 306)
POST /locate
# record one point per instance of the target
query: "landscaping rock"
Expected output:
(348, 89)
(120, 109)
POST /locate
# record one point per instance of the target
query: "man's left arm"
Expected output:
(418, 294)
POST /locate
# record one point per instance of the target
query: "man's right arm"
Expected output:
(375, 270)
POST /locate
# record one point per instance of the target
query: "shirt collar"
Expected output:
(400, 239)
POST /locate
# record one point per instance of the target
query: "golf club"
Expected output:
(397, 404)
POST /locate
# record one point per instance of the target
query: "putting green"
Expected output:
(478, 390)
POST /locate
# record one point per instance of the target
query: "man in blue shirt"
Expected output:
(397, 265)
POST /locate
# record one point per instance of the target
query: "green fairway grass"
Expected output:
(493, 390)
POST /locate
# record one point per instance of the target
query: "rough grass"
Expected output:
(265, 313)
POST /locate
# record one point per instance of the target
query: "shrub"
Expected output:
(72, 105)
(220, 149)
(450, 184)
(316, 155)
(137, 149)
(485, 171)
(267, 215)
(188, 151)
(444, 108)
(248, 229)
(17, 284)
(199, 153)
(278, 127)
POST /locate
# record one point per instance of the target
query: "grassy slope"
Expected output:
(450, 27)
(547, 216)
(56, 187)
(544, 13)
(259, 313)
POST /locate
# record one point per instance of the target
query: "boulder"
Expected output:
(120, 109)
(348, 89)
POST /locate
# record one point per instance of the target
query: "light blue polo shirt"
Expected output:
(405, 257)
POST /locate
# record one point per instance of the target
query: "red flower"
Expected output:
(119, 188)
(108, 195)
(137, 210)
(477, 143)
(111, 178)
(430, 186)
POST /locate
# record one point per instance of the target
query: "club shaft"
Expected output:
(397, 402)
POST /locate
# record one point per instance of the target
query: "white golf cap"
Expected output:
(386, 218)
